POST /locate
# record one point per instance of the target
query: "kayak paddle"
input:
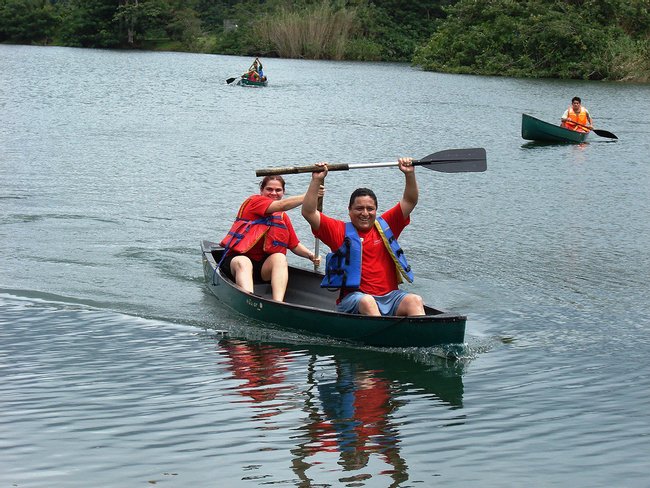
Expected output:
(598, 132)
(448, 161)
(230, 80)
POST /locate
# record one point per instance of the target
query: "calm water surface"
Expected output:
(120, 369)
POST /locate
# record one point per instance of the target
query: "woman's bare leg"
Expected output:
(241, 268)
(276, 270)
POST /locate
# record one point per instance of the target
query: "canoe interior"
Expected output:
(533, 129)
(311, 309)
(303, 288)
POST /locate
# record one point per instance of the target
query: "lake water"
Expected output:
(119, 368)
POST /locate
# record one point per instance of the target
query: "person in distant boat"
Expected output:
(256, 245)
(367, 264)
(251, 75)
(255, 72)
(577, 117)
(260, 69)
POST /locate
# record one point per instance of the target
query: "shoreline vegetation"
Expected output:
(565, 39)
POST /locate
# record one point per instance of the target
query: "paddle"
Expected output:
(230, 80)
(448, 161)
(598, 132)
(319, 207)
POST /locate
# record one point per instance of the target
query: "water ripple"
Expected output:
(120, 367)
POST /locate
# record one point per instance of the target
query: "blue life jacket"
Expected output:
(343, 266)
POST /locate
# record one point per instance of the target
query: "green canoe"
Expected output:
(247, 82)
(533, 129)
(310, 309)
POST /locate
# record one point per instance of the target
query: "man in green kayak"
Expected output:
(367, 264)
(577, 117)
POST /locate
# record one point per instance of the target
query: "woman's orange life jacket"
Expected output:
(580, 118)
(245, 233)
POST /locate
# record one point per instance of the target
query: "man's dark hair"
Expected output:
(576, 99)
(362, 192)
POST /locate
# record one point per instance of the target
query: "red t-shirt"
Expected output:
(378, 271)
(256, 208)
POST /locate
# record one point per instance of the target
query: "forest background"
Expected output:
(578, 39)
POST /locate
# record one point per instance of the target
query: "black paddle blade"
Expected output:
(230, 80)
(455, 161)
(605, 133)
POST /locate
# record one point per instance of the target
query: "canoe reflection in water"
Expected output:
(350, 400)
(261, 367)
(351, 416)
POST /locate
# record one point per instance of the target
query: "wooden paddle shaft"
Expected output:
(578, 124)
(301, 169)
(330, 167)
(319, 207)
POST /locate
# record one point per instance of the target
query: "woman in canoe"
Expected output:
(256, 245)
(577, 117)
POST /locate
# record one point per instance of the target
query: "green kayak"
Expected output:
(310, 309)
(533, 129)
(247, 82)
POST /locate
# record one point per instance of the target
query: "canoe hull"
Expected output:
(311, 309)
(245, 82)
(533, 129)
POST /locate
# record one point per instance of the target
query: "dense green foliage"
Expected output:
(378, 30)
(585, 39)
(383, 30)
(28, 21)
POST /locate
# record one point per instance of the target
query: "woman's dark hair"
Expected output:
(269, 178)
(362, 192)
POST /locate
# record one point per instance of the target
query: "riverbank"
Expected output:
(608, 41)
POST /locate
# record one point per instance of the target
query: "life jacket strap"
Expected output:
(281, 244)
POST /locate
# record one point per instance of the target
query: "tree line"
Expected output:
(580, 39)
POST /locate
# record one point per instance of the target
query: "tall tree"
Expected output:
(28, 21)
(90, 23)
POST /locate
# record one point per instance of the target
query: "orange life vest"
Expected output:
(244, 233)
(580, 118)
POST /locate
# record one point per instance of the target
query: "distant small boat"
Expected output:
(533, 129)
(247, 82)
(311, 309)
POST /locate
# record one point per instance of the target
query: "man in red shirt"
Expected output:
(378, 292)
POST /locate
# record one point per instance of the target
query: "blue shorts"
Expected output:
(388, 303)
